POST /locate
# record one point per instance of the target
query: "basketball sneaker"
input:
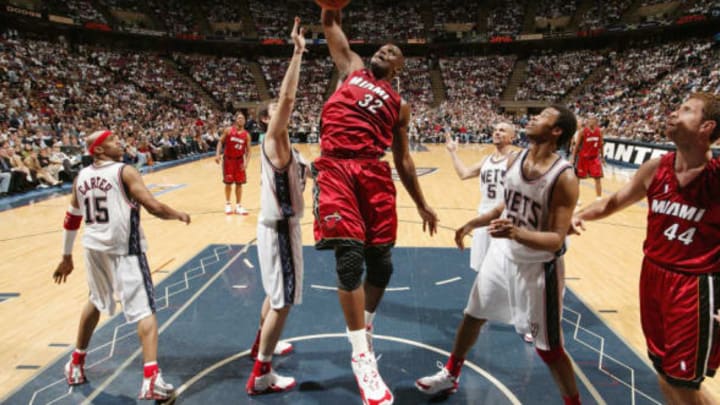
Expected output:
(156, 388)
(369, 335)
(528, 338)
(268, 383)
(74, 373)
(373, 390)
(239, 210)
(440, 382)
(228, 209)
(282, 348)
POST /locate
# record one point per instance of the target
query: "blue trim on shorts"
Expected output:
(287, 265)
(147, 280)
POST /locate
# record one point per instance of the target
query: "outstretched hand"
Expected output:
(429, 218)
(184, 217)
(298, 37)
(450, 143)
(577, 226)
(63, 270)
(460, 234)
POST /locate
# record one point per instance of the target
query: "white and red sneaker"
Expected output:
(282, 348)
(239, 210)
(268, 383)
(440, 382)
(156, 388)
(373, 390)
(228, 209)
(369, 335)
(74, 373)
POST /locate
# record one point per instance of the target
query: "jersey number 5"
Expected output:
(370, 103)
(98, 207)
(491, 190)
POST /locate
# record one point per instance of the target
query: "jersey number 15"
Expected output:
(96, 211)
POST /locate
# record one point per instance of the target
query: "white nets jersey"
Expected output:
(492, 182)
(281, 189)
(527, 204)
(112, 219)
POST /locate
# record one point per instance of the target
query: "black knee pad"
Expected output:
(349, 260)
(379, 265)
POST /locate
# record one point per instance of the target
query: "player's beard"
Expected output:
(378, 71)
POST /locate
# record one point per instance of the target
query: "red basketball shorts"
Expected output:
(676, 312)
(353, 202)
(589, 167)
(234, 170)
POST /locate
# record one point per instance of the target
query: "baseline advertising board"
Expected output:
(633, 154)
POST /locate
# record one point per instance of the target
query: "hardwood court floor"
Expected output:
(603, 265)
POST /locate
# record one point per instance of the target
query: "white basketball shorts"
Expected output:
(281, 262)
(478, 249)
(125, 276)
(526, 295)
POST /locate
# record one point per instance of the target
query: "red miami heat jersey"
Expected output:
(592, 142)
(358, 119)
(236, 143)
(684, 223)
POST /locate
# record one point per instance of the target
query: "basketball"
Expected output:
(332, 4)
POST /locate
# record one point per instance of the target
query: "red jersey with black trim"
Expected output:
(359, 118)
(591, 144)
(236, 143)
(683, 231)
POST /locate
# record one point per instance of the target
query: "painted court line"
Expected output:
(116, 338)
(603, 356)
(329, 288)
(167, 324)
(586, 381)
(323, 287)
(448, 281)
(497, 383)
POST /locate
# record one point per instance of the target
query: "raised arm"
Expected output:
(345, 59)
(406, 170)
(137, 189)
(277, 142)
(462, 171)
(629, 194)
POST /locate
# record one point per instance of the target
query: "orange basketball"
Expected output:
(332, 4)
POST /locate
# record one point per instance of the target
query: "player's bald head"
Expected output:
(506, 127)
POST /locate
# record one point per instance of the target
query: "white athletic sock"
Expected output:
(369, 317)
(358, 341)
(264, 359)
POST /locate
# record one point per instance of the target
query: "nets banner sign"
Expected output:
(631, 153)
